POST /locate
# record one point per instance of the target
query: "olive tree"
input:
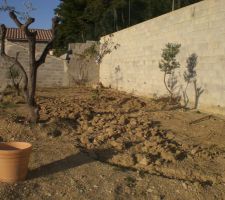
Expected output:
(169, 63)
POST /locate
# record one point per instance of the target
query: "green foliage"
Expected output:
(168, 65)
(168, 62)
(90, 19)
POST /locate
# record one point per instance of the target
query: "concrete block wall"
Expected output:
(199, 28)
(50, 74)
(76, 66)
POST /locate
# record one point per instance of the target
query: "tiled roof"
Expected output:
(18, 34)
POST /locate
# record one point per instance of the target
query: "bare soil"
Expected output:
(112, 145)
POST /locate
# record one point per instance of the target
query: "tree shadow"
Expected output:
(69, 162)
(198, 93)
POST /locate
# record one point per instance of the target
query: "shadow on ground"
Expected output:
(69, 162)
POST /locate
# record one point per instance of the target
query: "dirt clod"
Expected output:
(100, 145)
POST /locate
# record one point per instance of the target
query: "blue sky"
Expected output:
(43, 13)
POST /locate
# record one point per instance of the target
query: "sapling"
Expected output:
(168, 63)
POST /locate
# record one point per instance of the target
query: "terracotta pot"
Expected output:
(14, 159)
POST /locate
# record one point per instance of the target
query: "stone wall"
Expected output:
(50, 74)
(199, 28)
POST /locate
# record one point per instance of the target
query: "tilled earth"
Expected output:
(104, 144)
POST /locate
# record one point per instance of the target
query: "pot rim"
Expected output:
(26, 147)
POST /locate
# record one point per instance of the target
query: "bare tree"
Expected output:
(30, 77)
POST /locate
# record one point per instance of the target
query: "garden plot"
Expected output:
(84, 130)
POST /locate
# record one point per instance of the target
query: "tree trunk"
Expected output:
(173, 5)
(115, 20)
(33, 107)
(164, 79)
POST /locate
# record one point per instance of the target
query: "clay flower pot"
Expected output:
(14, 159)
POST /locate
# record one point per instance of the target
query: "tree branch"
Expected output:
(22, 26)
(41, 60)
(15, 19)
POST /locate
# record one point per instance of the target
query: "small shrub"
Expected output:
(168, 64)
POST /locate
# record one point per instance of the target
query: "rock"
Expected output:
(125, 159)
(117, 145)
(142, 159)
(185, 186)
(109, 131)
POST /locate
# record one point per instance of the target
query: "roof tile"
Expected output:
(18, 34)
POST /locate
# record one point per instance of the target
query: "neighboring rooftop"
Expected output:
(18, 35)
